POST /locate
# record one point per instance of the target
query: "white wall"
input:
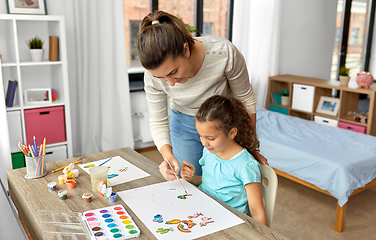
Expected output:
(307, 37)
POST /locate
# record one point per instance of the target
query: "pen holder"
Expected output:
(35, 167)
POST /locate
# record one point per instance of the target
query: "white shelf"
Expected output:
(17, 65)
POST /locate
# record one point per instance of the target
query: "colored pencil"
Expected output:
(61, 168)
(35, 146)
(44, 152)
(104, 162)
(176, 176)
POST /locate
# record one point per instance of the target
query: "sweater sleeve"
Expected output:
(158, 109)
(238, 79)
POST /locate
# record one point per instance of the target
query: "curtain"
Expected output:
(256, 34)
(98, 77)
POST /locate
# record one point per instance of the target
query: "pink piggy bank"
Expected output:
(364, 79)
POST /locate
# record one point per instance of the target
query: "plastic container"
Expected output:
(98, 174)
(35, 167)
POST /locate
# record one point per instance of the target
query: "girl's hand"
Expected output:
(187, 171)
(167, 172)
(261, 159)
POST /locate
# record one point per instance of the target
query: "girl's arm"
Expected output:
(255, 203)
(188, 174)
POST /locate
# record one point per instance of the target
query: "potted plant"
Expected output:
(36, 49)
(344, 76)
(285, 97)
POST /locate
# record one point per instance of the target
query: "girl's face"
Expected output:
(174, 70)
(213, 139)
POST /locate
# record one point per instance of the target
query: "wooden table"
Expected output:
(31, 195)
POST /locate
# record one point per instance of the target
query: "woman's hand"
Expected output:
(187, 171)
(166, 171)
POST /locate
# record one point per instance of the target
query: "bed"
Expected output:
(334, 161)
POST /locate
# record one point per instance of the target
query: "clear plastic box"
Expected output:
(63, 225)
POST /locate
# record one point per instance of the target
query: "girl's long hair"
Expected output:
(230, 113)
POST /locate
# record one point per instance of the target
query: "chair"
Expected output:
(269, 185)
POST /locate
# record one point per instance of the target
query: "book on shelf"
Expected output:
(11, 91)
(276, 97)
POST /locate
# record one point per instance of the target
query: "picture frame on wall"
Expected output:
(328, 105)
(27, 7)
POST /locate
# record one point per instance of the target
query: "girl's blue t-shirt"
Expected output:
(225, 179)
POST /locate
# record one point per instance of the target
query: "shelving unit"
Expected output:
(349, 99)
(16, 64)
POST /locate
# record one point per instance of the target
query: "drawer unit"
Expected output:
(56, 153)
(352, 127)
(302, 97)
(15, 130)
(46, 123)
(326, 121)
(279, 110)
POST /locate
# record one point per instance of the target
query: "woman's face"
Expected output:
(174, 70)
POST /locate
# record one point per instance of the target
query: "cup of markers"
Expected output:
(34, 159)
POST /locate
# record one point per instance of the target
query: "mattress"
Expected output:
(334, 159)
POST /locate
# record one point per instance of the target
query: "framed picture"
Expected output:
(38, 95)
(328, 105)
(27, 6)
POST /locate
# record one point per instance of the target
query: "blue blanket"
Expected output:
(333, 159)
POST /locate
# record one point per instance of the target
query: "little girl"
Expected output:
(229, 172)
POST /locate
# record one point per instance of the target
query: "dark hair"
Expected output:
(157, 42)
(231, 113)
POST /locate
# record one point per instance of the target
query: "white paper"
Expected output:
(161, 198)
(115, 164)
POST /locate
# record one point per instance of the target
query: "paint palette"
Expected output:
(111, 223)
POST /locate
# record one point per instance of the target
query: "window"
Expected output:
(214, 12)
(352, 50)
(207, 29)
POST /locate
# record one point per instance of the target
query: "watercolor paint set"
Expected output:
(109, 223)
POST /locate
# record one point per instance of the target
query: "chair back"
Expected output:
(269, 185)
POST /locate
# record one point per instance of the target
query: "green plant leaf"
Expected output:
(35, 43)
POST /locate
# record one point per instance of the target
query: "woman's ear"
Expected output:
(187, 51)
(232, 133)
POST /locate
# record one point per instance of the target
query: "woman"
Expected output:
(182, 72)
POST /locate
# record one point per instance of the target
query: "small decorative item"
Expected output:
(361, 117)
(87, 197)
(205, 221)
(173, 221)
(182, 229)
(54, 48)
(37, 95)
(195, 215)
(36, 49)
(123, 169)
(163, 230)
(62, 194)
(344, 76)
(364, 79)
(158, 218)
(285, 97)
(54, 95)
(328, 105)
(189, 223)
(27, 6)
(51, 186)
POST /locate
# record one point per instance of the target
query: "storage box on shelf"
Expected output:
(16, 65)
(304, 105)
